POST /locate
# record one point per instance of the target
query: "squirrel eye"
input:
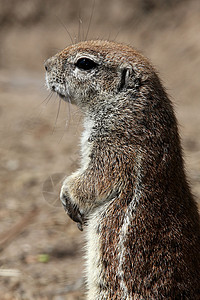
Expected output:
(85, 64)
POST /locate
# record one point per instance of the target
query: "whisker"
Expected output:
(60, 140)
(109, 35)
(69, 108)
(80, 22)
(55, 123)
(69, 114)
(40, 105)
(117, 34)
(90, 20)
(64, 26)
(52, 93)
(47, 99)
(43, 86)
(68, 120)
(80, 25)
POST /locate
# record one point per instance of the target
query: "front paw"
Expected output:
(71, 208)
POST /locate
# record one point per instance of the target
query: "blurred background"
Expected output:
(40, 248)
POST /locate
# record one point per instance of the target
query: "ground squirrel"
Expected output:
(130, 193)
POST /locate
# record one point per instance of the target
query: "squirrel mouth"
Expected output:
(64, 97)
(59, 93)
(61, 96)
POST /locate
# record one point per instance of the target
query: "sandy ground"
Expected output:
(41, 249)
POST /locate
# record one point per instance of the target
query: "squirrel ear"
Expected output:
(128, 79)
(125, 75)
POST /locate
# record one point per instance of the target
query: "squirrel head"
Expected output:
(93, 73)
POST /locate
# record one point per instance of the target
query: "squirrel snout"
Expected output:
(49, 64)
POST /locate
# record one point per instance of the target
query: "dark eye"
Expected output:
(85, 64)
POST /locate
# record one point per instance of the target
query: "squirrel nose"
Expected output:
(48, 65)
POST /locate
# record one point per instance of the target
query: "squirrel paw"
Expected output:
(72, 209)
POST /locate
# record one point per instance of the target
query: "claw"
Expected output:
(73, 212)
(80, 226)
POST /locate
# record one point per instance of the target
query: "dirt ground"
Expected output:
(41, 249)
